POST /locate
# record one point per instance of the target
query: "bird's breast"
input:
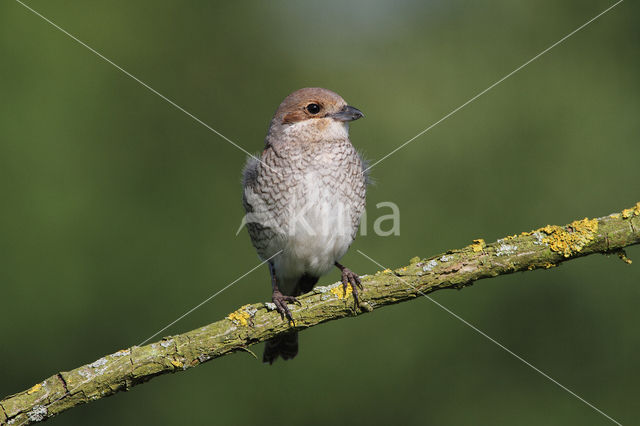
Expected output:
(315, 196)
(321, 214)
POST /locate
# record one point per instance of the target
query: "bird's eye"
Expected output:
(313, 108)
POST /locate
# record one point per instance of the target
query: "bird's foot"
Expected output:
(280, 300)
(351, 278)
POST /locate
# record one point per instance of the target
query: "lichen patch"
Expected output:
(38, 414)
(342, 292)
(34, 389)
(506, 249)
(623, 256)
(633, 211)
(571, 238)
(539, 238)
(478, 245)
(430, 265)
(98, 363)
(242, 316)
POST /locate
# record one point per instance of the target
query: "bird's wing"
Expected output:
(250, 172)
(365, 169)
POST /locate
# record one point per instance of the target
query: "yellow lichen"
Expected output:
(549, 265)
(240, 317)
(34, 389)
(573, 239)
(623, 256)
(177, 363)
(633, 211)
(341, 292)
(386, 271)
(478, 245)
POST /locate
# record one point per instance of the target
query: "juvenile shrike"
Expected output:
(304, 199)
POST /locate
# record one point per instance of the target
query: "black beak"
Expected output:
(347, 113)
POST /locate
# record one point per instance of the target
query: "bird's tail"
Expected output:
(284, 345)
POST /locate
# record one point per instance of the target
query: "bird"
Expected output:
(304, 197)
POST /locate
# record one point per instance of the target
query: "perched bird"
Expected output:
(304, 197)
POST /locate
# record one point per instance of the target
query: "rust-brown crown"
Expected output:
(313, 103)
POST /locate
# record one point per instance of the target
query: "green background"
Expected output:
(119, 212)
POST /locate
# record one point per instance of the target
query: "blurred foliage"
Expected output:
(119, 211)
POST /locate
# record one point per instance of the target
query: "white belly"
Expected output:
(319, 230)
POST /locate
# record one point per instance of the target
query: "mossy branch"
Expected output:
(251, 324)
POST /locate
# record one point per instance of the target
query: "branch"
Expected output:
(543, 248)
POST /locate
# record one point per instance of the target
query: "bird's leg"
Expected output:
(279, 299)
(350, 277)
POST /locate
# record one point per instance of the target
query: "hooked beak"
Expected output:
(347, 113)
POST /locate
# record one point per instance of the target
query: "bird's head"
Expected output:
(312, 114)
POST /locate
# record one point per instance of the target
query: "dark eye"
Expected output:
(313, 108)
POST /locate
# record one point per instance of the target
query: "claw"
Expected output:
(351, 278)
(359, 282)
(280, 300)
(293, 300)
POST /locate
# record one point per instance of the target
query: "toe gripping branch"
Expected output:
(350, 278)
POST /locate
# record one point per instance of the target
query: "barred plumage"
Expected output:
(305, 196)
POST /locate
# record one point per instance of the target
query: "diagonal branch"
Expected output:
(543, 248)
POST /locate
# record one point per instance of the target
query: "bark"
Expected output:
(250, 324)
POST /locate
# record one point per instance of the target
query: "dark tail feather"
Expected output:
(306, 283)
(285, 345)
